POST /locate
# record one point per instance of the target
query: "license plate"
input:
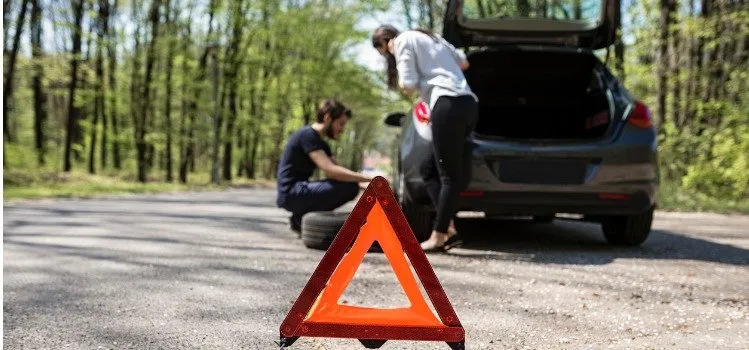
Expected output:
(545, 172)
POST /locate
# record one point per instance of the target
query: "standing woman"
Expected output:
(418, 60)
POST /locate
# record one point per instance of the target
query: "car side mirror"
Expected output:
(394, 119)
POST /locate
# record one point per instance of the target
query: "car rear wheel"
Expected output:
(419, 218)
(630, 230)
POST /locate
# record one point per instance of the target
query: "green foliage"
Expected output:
(704, 133)
(722, 170)
(285, 57)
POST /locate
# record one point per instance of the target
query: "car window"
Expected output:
(565, 10)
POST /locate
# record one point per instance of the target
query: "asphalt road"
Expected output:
(219, 270)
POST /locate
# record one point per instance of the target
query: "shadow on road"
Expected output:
(578, 243)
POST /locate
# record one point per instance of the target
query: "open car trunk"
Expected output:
(534, 93)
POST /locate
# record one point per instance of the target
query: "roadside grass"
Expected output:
(24, 184)
(32, 184)
(673, 197)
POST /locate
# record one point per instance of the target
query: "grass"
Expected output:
(24, 184)
(673, 197)
(30, 184)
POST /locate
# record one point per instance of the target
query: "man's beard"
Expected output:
(328, 130)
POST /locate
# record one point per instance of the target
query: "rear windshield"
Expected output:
(564, 10)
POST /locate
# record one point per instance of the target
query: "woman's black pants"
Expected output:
(447, 172)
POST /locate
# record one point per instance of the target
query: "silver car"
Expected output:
(557, 132)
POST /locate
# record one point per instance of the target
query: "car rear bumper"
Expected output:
(605, 177)
(544, 203)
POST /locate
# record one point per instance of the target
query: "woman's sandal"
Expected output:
(454, 240)
(432, 248)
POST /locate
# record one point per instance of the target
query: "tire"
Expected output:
(320, 228)
(630, 230)
(420, 218)
(543, 219)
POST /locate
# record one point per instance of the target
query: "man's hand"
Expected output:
(335, 171)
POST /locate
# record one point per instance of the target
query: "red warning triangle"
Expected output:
(316, 312)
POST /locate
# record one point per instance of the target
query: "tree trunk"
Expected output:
(689, 95)
(664, 25)
(430, 13)
(619, 45)
(675, 73)
(246, 154)
(235, 60)
(104, 36)
(6, 24)
(216, 119)
(99, 88)
(142, 120)
(240, 150)
(407, 12)
(112, 54)
(252, 168)
(228, 143)
(183, 134)
(73, 111)
(94, 127)
(40, 99)
(168, 105)
(135, 83)
(8, 86)
(718, 77)
(703, 54)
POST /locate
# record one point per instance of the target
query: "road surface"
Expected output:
(219, 270)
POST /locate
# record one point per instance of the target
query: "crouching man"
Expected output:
(305, 151)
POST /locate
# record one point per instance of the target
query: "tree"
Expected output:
(110, 90)
(40, 99)
(8, 86)
(142, 118)
(666, 8)
(100, 89)
(73, 111)
(237, 14)
(171, 42)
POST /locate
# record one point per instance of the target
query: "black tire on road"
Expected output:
(320, 228)
(630, 230)
(420, 218)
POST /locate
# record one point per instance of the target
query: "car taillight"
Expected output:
(640, 117)
(422, 112)
(615, 196)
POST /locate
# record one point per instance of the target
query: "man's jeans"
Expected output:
(326, 195)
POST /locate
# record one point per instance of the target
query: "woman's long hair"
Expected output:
(380, 38)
